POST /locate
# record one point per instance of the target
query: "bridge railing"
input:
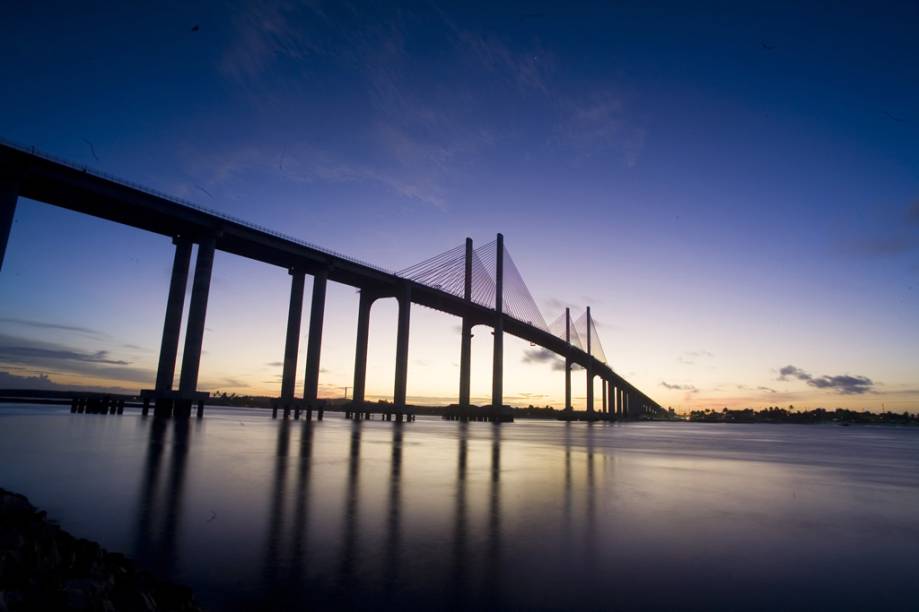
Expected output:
(186, 203)
(482, 295)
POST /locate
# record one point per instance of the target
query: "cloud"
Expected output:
(275, 364)
(598, 123)
(42, 381)
(544, 355)
(264, 34)
(676, 387)
(760, 388)
(912, 213)
(844, 383)
(794, 372)
(690, 357)
(884, 245)
(136, 347)
(55, 326)
(48, 356)
(226, 382)
(19, 351)
(529, 70)
(897, 241)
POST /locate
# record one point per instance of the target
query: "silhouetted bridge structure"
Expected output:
(482, 286)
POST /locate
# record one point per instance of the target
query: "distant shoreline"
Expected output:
(839, 416)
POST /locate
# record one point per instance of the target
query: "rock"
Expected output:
(42, 567)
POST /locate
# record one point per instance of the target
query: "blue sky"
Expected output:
(733, 189)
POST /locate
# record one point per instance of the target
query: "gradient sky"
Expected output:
(732, 187)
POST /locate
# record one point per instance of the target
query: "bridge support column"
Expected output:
(172, 325)
(590, 391)
(603, 393)
(360, 351)
(568, 366)
(590, 373)
(9, 194)
(197, 311)
(568, 363)
(314, 345)
(497, 373)
(466, 340)
(465, 364)
(401, 382)
(292, 341)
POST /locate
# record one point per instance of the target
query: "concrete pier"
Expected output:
(497, 373)
(568, 363)
(292, 340)
(9, 194)
(603, 393)
(401, 382)
(360, 350)
(589, 370)
(466, 339)
(197, 312)
(172, 325)
(314, 345)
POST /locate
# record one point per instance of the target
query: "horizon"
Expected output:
(738, 205)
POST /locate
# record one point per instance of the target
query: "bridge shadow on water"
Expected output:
(296, 567)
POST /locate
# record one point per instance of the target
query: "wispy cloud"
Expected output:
(678, 387)
(901, 238)
(691, 357)
(529, 69)
(48, 356)
(912, 213)
(50, 325)
(599, 123)
(265, 33)
(42, 381)
(544, 355)
(844, 383)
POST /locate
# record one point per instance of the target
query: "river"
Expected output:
(255, 513)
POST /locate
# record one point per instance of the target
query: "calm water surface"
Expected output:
(255, 513)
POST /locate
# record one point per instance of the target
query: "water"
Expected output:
(255, 513)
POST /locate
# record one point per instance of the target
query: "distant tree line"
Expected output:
(776, 414)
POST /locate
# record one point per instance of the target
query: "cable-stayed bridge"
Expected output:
(481, 285)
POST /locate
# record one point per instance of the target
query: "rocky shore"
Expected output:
(42, 567)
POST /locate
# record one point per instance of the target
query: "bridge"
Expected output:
(481, 286)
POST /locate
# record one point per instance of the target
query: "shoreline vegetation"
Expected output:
(42, 567)
(775, 414)
(772, 414)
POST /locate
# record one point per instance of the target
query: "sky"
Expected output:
(732, 187)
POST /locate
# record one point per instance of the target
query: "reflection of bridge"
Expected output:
(481, 286)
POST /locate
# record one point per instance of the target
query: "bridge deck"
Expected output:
(60, 184)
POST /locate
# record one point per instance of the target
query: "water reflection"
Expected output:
(458, 585)
(299, 532)
(158, 520)
(393, 523)
(359, 515)
(352, 498)
(493, 567)
(277, 500)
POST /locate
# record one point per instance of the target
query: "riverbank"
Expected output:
(42, 567)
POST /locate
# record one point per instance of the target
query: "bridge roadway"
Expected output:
(44, 179)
